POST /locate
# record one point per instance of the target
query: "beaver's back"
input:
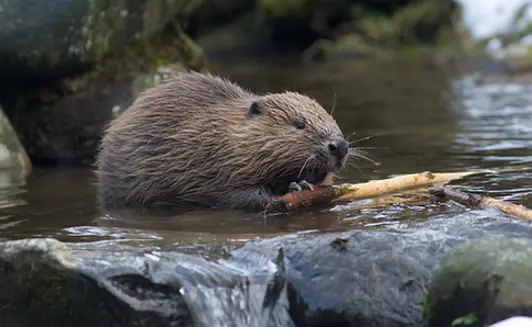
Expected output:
(172, 140)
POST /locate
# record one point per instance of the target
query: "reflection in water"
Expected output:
(417, 118)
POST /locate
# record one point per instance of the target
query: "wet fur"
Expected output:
(200, 141)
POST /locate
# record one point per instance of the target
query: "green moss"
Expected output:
(32, 58)
(425, 314)
(282, 8)
(49, 296)
(46, 290)
(420, 21)
(415, 32)
(193, 55)
(465, 320)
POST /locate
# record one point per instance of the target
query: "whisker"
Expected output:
(369, 148)
(303, 167)
(334, 101)
(350, 136)
(359, 151)
(363, 139)
(356, 154)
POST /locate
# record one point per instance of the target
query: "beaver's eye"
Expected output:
(254, 109)
(299, 125)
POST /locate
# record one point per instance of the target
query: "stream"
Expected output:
(408, 118)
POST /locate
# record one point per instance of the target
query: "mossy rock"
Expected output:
(47, 39)
(480, 283)
(302, 22)
(62, 120)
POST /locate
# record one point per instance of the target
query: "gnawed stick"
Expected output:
(320, 195)
(397, 184)
(481, 201)
(346, 192)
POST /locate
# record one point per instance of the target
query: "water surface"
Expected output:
(417, 118)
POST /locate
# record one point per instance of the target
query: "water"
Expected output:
(418, 119)
(410, 118)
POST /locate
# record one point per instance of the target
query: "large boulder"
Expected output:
(47, 39)
(45, 283)
(63, 121)
(484, 281)
(369, 278)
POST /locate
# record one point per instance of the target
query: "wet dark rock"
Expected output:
(63, 121)
(12, 153)
(489, 278)
(70, 66)
(355, 278)
(54, 38)
(368, 278)
(45, 283)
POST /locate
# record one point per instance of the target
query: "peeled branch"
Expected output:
(397, 184)
(481, 201)
(345, 192)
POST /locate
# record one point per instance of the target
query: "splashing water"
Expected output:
(248, 291)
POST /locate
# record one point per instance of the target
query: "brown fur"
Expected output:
(201, 141)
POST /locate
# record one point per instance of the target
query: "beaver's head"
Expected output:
(291, 137)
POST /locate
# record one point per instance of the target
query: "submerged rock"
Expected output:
(47, 39)
(488, 278)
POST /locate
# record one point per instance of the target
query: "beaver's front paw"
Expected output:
(303, 185)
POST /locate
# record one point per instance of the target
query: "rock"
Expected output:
(66, 87)
(63, 121)
(46, 283)
(368, 278)
(489, 278)
(355, 278)
(303, 22)
(12, 154)
(214, 13)
(54, 38)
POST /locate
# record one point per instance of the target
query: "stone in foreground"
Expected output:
(490, 278)
(350, 279)
(43, 284)
(370, 278)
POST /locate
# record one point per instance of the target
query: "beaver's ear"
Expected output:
(255, 109)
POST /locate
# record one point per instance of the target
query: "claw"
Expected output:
(306, 185)
(302, 185)
(294, 187)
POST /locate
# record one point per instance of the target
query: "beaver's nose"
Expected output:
(338, 148)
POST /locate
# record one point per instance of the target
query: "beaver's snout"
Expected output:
(338, 148)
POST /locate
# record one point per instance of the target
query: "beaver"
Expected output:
(199, 140)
